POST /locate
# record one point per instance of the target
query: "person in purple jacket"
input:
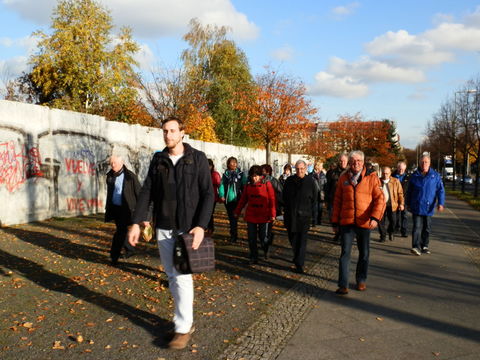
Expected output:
(425, 190)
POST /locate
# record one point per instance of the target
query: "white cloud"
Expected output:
(368, 70)
(285, 53)
(402, 49)
(454, 37)
(345, 10)
(29, 43)
(440, 18)
(34, 10)
(13, 68)
(473, 19)
(330, 85)
(145, 57)
(153, 18)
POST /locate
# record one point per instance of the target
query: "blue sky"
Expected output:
(398, 60)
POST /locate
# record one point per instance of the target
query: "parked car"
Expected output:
(466, 180)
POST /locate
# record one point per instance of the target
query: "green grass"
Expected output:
(474, 202)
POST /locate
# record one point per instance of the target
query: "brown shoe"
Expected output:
(180, 341)
(342, 291)
(361, 286)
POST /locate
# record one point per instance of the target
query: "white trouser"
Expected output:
(180, 285)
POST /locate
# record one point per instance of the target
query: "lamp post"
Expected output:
(454, 157)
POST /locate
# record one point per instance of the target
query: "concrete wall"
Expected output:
(53, 162)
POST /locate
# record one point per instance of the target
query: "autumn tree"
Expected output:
(374, 138)
(216, 71)
(81, 66)
(276, 110)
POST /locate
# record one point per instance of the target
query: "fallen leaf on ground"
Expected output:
(57, 345)
(379, 318)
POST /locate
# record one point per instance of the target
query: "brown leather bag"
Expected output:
(189, 261)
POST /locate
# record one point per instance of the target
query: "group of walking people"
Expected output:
(182, 187)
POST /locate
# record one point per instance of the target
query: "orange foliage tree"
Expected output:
(275, 108)
(372, 137)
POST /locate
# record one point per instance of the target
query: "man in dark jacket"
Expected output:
(332, 178)
(179, 185)
(299, 198)
(403, 177)
(122, 192)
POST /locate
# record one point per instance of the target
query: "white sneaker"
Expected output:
(425, 250)
(415, 251)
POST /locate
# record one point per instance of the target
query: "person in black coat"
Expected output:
(299, 198)
(179, 185)
(122, 191)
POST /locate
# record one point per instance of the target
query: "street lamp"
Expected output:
(454, 157)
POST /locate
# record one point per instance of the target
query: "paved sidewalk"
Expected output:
(416, 307)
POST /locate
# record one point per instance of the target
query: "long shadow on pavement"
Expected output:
(75, 251)
(155, 325)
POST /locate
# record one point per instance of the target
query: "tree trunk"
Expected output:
(268, 150)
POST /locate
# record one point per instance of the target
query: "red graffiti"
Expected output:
(83, 204)
(15, 167)
(75, 166)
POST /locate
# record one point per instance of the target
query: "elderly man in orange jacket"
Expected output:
(357, 209)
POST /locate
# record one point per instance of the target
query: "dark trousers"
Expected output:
(422, 226)
(347, 235)
(119, 240)
(232, 220)
(257, 231)
(389, 216)
(402, 222)
(298, 241)
(317, 213)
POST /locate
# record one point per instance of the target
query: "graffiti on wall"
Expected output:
(16, 166)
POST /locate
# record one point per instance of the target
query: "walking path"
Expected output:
(416, 307)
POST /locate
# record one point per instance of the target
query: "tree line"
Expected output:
(454, 131)
(82, 66)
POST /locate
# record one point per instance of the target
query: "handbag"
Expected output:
(189, 261)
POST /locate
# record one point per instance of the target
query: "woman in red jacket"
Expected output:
(259, 196)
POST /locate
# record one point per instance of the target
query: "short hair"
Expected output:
(287, 167)
(230, 159)
(181, 125)
(300, 162)
(356, 152)
(386, 167)
(254, 170)
(402, 162)
(268, 169)
(210, 163)
(342, 154)
(425, 155)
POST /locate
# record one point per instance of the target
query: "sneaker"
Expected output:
(415, 251)
(425, 250)
(180, 341)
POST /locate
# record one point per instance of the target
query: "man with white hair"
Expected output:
(122, 192)
(424, 191)
(357, 209)
(299, 198)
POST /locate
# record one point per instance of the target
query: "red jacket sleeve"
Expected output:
(242, 202)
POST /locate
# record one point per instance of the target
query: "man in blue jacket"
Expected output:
(425, 189)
